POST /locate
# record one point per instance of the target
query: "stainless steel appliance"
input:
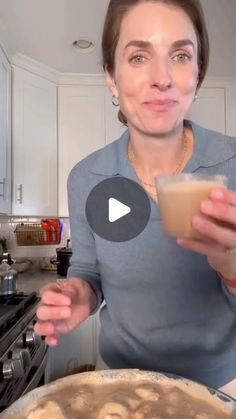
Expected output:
(8, 282)
(23, 354)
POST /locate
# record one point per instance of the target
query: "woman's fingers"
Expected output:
(52, 327)
(221, 211)
(58, 312)
(52, 312)
(47, 312)
(217, 224)
(223, 195)
(55, 297)
(211, 229)
(44, 328)
(218, 221)
(51, 340)
(204, 247)
(49, 286)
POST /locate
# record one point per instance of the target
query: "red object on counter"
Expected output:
(53, 230)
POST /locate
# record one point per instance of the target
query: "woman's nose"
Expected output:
(160, 76)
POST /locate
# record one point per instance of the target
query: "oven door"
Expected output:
(12, 389)
(37, 377)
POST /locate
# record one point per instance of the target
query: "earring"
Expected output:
(195, 97)
(115, 101)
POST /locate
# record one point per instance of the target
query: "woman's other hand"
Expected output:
(217, 223)
(64, 305)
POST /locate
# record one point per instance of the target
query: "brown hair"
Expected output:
(111, 32)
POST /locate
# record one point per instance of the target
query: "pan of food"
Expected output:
(122, 394)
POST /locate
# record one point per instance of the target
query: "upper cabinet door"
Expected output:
(81, 123)
(34, 145)
(209, 110)
(5, 135)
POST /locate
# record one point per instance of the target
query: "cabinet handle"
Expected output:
(19, 194)
(3, 194)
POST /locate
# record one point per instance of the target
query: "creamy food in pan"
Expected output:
(127, 399)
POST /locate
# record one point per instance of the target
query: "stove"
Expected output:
(23, 354)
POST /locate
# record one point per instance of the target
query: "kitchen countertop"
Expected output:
(35, 278)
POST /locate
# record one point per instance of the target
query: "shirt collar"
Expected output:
(210, 149)
(113, 159)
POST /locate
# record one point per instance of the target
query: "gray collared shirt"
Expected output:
(165, 308)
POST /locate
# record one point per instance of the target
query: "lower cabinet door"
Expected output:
(74, 351)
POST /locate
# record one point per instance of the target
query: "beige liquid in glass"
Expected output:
(180, 201)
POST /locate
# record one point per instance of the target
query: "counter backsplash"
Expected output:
(7, 228)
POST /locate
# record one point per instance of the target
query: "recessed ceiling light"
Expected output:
(84, 46)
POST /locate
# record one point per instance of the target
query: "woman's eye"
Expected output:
(137, 59)
(181, 58)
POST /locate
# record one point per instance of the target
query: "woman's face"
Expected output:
(156, 67)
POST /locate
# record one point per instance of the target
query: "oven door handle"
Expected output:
(37, 376)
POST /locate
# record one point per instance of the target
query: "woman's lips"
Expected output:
(160, 105)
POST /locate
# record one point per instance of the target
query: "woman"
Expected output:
(170, 305)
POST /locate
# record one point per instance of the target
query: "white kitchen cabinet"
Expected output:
(34, 145)
(209, 110)
(5, 134)
(74, 350)
(81, 125)
(87, 121)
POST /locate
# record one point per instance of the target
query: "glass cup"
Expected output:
(180, 198)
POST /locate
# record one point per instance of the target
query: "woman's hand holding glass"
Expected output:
(217, 223)
(64, 305)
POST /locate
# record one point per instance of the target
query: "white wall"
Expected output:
(221, 22)
(4, 44)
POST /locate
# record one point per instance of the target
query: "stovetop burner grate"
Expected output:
(23, 354)
(15, 312)
(12, 309)
(4, 310)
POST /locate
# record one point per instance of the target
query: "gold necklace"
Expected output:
(175, 172)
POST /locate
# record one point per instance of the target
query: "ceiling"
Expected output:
(44, 30)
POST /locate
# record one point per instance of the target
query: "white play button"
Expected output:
(117, 210)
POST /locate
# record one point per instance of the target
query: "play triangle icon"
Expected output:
(117, 210)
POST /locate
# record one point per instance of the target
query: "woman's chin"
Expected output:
(160, 124)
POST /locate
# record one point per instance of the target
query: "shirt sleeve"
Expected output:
(230, 297)
(83, 262)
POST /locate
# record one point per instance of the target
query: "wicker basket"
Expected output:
(34, 235)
